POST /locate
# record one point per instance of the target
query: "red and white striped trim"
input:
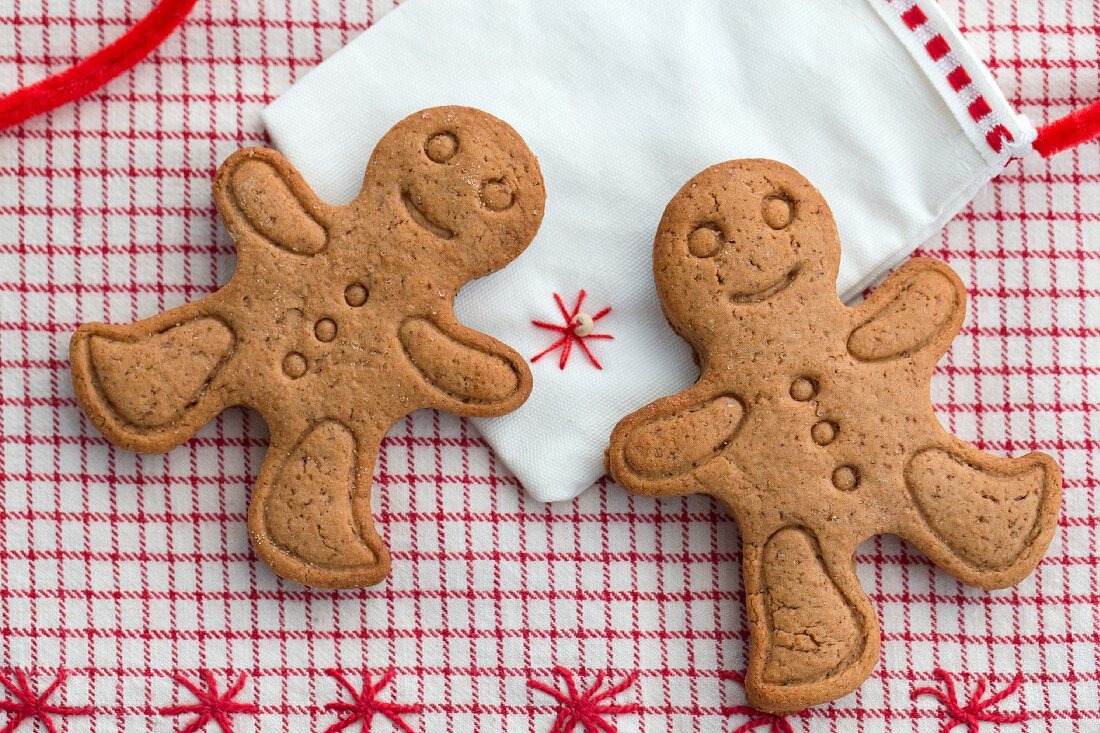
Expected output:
(939, 50)
(960, 76)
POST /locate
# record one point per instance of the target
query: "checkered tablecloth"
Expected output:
(130, 579)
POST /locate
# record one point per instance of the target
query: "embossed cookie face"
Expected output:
(458, 181)
(741, 236)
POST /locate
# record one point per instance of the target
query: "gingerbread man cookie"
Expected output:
(812, 423)
(336, 323)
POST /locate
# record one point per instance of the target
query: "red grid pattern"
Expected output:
(124, 571)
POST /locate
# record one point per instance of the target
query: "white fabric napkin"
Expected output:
(879, 102)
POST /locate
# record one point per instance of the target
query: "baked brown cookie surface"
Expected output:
(336, 323)
(812, 423)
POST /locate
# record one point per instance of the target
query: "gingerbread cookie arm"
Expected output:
(149, 386)
(813, 634)
(915, 314)
(665, 448)
(262, 198)
(310, 516)
(464, 371)
(986, 520)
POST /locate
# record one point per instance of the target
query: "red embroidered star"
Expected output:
(771, 722)
(30, 706)
(365, 705)
(976, 709)
(210, 705)
(586, 710)
(576, 329)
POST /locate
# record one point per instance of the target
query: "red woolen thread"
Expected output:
(211, 705)
(365, 704)
(96, 70)
(587, 710)
(29, 705)
(569, 332)
(1072, 130)
(975, 710)
(757, 719)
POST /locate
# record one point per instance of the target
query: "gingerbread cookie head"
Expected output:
(458, 187)
(744, 235)
(812, 423)
(337, 321)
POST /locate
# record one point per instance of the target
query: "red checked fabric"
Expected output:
(130, 601)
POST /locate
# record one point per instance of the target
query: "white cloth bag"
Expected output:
(880, 103)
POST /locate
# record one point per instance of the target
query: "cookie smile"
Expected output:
(777, 286)
(422, 219)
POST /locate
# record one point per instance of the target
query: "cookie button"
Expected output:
(325, 330)
(803, 389)
(355, 295)
(294, 365)
(823, 432)
(845, 478)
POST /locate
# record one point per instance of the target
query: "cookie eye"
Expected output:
(778, 211)
(441, 147)
(497, 194)
(706, 240)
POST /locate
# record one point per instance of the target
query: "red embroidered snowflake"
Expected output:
(211, 705)
(576, 328)
(29, 705)
(586, 710)
(976, 710)
(768, 722)
(365, 705)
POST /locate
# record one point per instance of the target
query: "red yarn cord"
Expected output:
(1074, 129)
(96, 70)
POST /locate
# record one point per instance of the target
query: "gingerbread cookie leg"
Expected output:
(986, 520)
(310, 517)
(814, 635)
(670, 446)
(148, 386)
